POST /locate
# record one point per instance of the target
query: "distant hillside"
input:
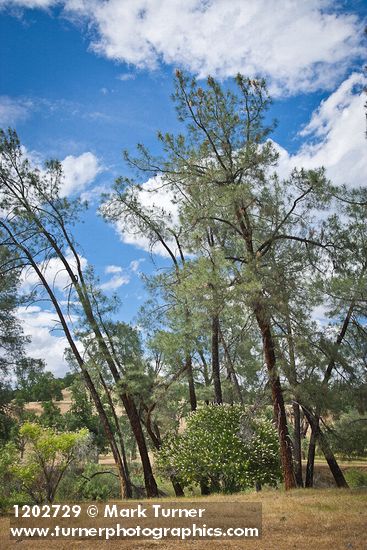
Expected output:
(64, 405)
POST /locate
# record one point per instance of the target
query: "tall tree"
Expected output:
(36, 224)
(221, 174)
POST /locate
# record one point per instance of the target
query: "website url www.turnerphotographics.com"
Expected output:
(153, 520)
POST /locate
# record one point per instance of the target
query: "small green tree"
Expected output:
(349, 435)
(226, 448)
(49, 455)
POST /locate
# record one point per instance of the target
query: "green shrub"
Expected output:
(225, 448)
(98, 482)
(349, 437)
(356, 478)
(49, 455)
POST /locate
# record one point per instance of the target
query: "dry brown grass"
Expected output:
(314, 519)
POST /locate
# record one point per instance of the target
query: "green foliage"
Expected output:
(81, 414)
(48, 455)
(98, 483)
(36, 384)
(226, 447)
(349, 436)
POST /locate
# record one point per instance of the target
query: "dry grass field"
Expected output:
(317, 519)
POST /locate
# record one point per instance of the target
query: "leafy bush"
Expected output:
(98, 483)
(225, 448)
(49, 455)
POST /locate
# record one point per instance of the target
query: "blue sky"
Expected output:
(83, 80)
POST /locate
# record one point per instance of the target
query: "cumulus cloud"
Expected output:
(115, 282)
(298, 46)
(54, 272)
(38, 324)
(120, 277)
(158, 200)
(113, 269)
(336, 137)
(79, 172)
(30, 4)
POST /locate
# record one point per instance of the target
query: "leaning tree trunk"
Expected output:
(124, 481)
(157, 442)
(80, 361)
(277, 397)
(131, 411)
(129, 490)
(318, 435)
(331, 460)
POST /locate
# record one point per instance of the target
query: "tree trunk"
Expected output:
(215, 361)
(157, 442)
(311, 458)
(190, 379)
(129, 490)
(328, 454)
(231, 370)
(277, 396)
(333, 465)
(179, 492)
(150, 483)
(297, 444)
(124, 484)
(204, 487)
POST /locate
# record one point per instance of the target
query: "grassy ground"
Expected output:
(302, 519)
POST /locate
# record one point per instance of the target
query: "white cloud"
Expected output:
(37, 324)
(79, 172)
(299, 46)
(13, 110)
(54, 272)
(338, 126)
(157, 199)
(120, 275)
(115, 282)
(113, 269)
(30, 4)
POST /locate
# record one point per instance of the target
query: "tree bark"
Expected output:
(311, 458)
(317, 434)
(157, 442)
(129, 490)
(277, 396)
(297, 444)
(149, 480)
(333, 465)
(215, 361)
(231, 369)
(190, 379)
